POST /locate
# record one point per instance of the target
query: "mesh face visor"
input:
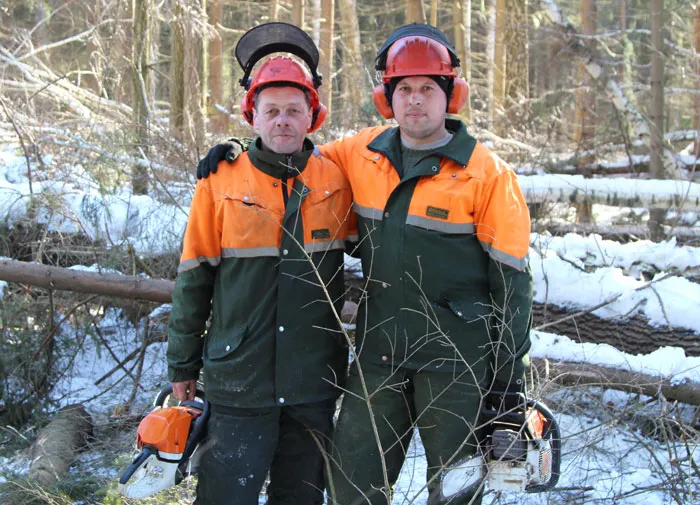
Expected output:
(270, 38)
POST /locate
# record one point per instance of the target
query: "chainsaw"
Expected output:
(521, 451)
(168, 439)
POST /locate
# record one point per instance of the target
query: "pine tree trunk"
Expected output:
(415, 13)
(352, 76)
(327, 50)
(656, 112)
(177, 71)
(499, 66)
(462, 15)
(219, 119)
(517, 45)
(140, 58)
(298, 12)
(696, 115)
(585, 120)
(188, 73)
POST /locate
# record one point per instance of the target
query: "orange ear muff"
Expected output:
(381, 103)
(246, 109)
(318, 118)
(460, 95)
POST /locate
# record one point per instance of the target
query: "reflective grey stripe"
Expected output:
(353, 238)
(443, 226)
(368, 212)
(195, 262)
(317, 151)
(324, 246)
(507, 259)
(249, 252)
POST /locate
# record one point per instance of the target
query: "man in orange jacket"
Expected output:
(263, 255)
(443, 325)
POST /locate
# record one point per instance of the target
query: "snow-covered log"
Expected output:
(634, 193)
(581, 374)
(126, 286)
(625, 232)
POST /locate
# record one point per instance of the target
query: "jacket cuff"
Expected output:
(182, 374)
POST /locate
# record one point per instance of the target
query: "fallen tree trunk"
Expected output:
(585, 374)
(58, 443)
(635, 192)
(126, 286)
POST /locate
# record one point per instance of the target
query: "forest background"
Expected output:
(106, 106)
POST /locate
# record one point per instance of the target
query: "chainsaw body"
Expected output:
(167, 438)
(521, 452)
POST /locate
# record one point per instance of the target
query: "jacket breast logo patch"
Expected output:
(437, 212)
(322, 233)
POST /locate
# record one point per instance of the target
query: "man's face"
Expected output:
(419, 106)
(281, 117)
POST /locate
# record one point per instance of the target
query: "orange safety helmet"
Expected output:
(281, 70)
(414, 55)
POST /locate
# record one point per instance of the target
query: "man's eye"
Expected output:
(271, 113)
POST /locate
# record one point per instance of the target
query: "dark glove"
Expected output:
(506, 397)
(228, 151)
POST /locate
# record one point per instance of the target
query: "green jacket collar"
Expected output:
(459, 149)
(278, 165)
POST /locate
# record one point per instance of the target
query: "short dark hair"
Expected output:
(281, 84)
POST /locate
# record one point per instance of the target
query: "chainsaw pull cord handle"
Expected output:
(552, 433)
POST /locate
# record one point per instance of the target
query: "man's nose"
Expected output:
(415, 97)
(282, 119)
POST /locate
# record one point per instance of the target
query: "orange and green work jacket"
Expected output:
(264, 241)
(444, 255)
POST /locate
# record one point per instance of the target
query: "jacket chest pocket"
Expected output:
(248, 222)
(445, 204)
(326, 213)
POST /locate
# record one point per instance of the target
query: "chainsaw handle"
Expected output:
(168, 391)
(554, 435)
(138, 461)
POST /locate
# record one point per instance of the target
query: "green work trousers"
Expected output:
(444, 406)
(244, 444)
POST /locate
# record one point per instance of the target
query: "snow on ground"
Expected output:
(605, 461)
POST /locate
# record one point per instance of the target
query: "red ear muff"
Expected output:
(460, 95)
(318, 118)
(246, 109)
(381, 103)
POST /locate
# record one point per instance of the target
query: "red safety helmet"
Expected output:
(283, 70)
(418, 55)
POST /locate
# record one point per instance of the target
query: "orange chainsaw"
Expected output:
(168, 439)
(521, 450)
